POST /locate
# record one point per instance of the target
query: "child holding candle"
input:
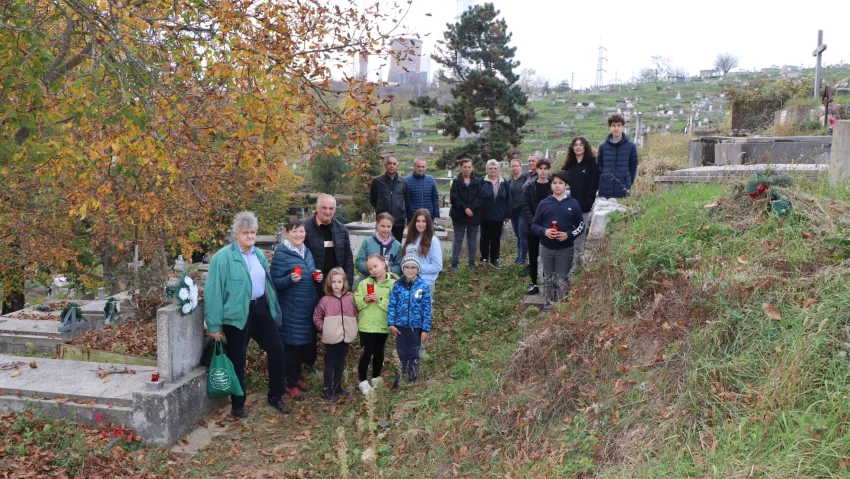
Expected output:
(558, 222)
(372, 299)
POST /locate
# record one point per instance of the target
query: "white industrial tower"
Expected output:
(600, 69)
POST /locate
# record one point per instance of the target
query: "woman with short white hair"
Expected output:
(241, 302)
(495, 212)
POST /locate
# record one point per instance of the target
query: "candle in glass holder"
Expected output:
(555, 225)
(155, 377)
(316, 275)
(370, 288)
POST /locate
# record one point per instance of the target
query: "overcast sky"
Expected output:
(558, 37)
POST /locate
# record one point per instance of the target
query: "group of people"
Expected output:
(548, 210)
(310, 286)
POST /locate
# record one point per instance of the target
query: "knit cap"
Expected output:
(411, 258)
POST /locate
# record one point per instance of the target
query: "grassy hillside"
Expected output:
(542, 130)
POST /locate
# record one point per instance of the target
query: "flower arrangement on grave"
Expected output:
(763, 184)
(71, 312)
(187, 295)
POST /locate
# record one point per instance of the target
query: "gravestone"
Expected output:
(839, 156)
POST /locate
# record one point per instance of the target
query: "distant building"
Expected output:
(709, 74)
(677, 79)
(405, 57)
(769, 70)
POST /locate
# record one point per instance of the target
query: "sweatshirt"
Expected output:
(431, 265)
(567, 212)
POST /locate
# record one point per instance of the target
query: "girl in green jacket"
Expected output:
(372, 298)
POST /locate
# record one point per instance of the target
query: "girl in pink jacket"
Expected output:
(336, 318)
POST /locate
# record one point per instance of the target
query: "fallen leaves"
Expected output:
(33, 364)
(16, 374)
(771, 311)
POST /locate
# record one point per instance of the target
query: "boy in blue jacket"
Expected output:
(617, 161)
(409, 317)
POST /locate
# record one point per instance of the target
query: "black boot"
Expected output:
(330, 395)
(340, 392)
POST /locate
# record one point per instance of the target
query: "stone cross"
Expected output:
(136, 264)
(817, 53)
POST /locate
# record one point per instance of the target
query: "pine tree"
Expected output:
(486, 98)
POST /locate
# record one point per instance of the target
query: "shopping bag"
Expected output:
(221, 378)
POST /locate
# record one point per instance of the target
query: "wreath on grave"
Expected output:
(187, 295)
(760, 186)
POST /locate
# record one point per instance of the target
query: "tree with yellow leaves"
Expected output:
(164, 115)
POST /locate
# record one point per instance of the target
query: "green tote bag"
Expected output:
(221, 378)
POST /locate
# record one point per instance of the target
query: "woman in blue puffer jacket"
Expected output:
(292, 274)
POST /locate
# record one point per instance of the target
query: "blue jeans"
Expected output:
(518, 224)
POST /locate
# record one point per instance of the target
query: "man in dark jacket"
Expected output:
(515, 184)
(617, 161)
(465, 213)
(329, 243)
(389, 193)
(422, 191)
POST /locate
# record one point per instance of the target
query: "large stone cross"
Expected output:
(817, 53)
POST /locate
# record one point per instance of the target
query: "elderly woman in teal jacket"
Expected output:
(240, 301)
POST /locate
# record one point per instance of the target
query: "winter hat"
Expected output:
(410, 259)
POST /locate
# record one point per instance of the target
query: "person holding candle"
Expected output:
(558, 222)
(292, 270)
(372, 299)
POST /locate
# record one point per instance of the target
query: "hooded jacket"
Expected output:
(431, 265)
(373, 316)
(336, 318)
(617, 167)
(422, 193)
(296, 299)
(495, 207)
(390, 196)
(410, 305)
(463, 197)
(372, 246)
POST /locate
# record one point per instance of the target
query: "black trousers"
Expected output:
(311, 349)
(398, 232)
(335, 364)
(491, 239)
(533, 254)
(373, 351)
(262, 329)
(294, 358)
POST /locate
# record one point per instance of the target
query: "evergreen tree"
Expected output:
(486, 98)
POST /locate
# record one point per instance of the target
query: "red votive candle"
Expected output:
(298, 270)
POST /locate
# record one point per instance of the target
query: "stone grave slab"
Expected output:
(18, 333)
(714, 174)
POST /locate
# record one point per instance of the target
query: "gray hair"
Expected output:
(244, 219)
(323, 196)
(390, 158)
(492, 162)
(538, 154)
(419, 158)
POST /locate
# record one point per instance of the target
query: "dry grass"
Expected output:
(663, 153)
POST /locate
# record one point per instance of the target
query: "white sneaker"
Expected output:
(365, 387)
(375, 382)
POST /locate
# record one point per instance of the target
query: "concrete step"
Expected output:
(536, 300)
